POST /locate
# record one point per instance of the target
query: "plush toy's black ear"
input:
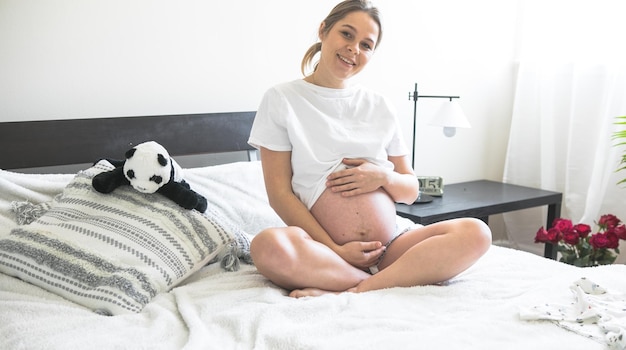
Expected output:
(162, 159)
(107, 181)
(130, 153)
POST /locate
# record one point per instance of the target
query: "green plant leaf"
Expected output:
(620, 136)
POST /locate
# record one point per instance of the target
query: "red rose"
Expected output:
(604, 240)
(583, 230)
(620, 231)
(608, 221)
(541, 236)
(598, 241)
(613, 239)
(554, 235)
(549, 236)
(562, 225)
(571, 237)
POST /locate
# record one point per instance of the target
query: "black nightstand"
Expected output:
(482, 198)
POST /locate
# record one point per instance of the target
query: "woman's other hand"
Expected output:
(361, 254)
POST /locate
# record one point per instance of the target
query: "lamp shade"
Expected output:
(450, 116)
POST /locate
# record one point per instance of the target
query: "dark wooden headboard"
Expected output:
(59, 142)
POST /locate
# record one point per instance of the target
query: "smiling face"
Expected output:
(346, 49)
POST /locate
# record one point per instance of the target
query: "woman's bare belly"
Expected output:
(365, 217)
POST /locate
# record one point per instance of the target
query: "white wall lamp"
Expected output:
(449, 116)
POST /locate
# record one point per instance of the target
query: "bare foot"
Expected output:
(315, 292)
(309, 292)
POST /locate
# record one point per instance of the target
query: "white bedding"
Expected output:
(215, 309)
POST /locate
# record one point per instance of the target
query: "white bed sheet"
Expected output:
(214, 309)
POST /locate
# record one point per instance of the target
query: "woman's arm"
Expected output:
(402, 184)
(362, 177)
(277, 174)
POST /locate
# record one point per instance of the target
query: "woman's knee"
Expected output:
(273, 248)
(479, 232)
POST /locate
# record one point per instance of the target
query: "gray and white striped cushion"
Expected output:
(111, 252)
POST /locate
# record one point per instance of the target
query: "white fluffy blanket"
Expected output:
(215, 309)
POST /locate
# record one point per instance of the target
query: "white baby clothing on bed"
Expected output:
(594, 313)
(321, 126)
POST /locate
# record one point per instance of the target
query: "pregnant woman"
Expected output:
(334, 163)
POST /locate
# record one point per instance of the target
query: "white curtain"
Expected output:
(570, 87)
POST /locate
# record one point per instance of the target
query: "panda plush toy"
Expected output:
(148, 168)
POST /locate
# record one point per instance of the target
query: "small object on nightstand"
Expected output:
(431, 185)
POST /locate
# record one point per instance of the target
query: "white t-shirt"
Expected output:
(321, 126)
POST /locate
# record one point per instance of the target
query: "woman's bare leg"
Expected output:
(291, 259)
(430, 254)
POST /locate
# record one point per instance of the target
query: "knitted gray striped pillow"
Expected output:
(111, 252)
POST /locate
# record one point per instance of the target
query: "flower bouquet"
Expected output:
(580, 248)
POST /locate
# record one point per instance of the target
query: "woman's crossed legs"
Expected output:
(431, 254)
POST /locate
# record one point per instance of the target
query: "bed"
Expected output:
(508, 300)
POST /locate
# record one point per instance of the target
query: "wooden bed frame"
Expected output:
(30, 144)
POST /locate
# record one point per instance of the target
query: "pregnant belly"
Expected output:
(366, 217)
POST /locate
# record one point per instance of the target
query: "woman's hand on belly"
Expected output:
(360, 177)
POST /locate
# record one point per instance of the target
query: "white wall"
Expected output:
(93, 58)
